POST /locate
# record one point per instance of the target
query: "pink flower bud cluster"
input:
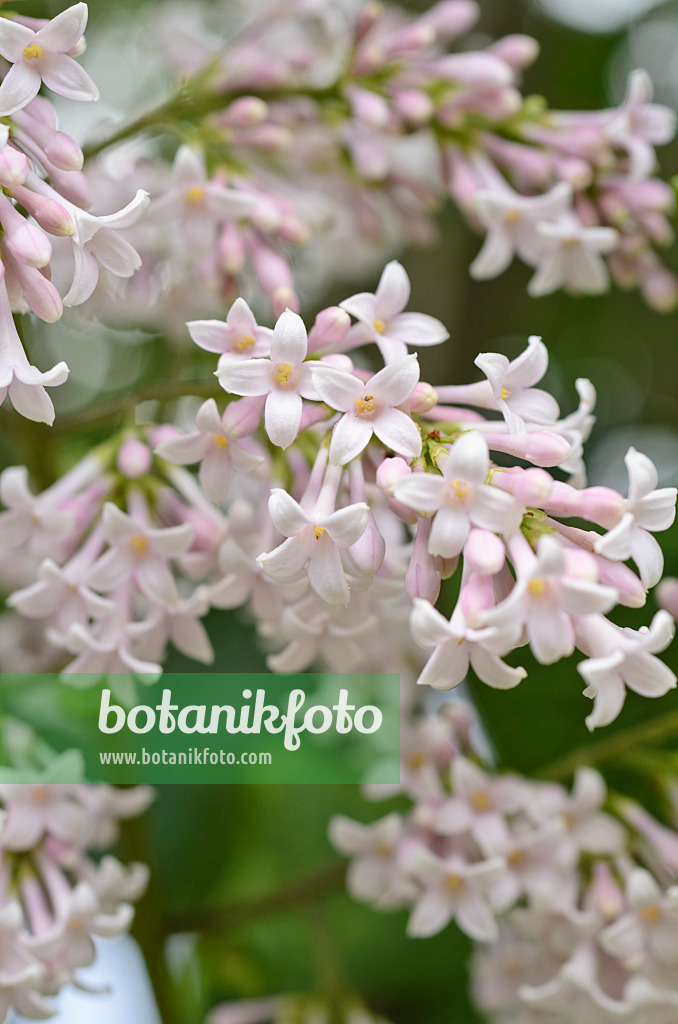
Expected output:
(55, 897)
(571, 915)
(337, 123)
(44, 196)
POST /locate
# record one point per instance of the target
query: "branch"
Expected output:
(303, 892)
(614, 747)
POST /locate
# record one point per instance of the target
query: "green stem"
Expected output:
(613, 747)
(304, 892)
(165, 391)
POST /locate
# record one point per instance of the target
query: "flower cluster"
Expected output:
(55, 896)
(573, 915)
(293, 1009)
(340, 122)
(44, 196)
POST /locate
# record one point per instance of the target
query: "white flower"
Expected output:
(453, 888)
(370, 408)
(42, 56)
(381, 315)
(571, 258)
(647, 509)
(240, 337)
(460, 497)
(512, 385)
(650, 926)
(215, 445)
(455, 646)
(623, 658)
(314, 541)
(96, 243)
(374, 875)
(545, 598)
(284, 378)
(480, 805)
(511, 221)
(639, 125)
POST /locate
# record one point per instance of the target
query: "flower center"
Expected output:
(454, 882)
(283, 374)
(481, 802)
(32, 52)
(511, 216)
(247, 341)
(40, 794)
(517, 858)
(365, 405)
(318, 532)
(140, 544)
(537, 587)
(458, 488)
(194, 194)
(383, 849)
(379, 326)
(220, 441)
(651, 914)
(504, 394)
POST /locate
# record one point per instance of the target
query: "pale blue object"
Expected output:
(129, 999)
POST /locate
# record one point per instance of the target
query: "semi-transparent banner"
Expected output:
(197, 728)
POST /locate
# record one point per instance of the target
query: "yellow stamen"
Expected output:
(454, 882)
(140, 544)
(481, 802)
(511, 216)
(536, 587)
(458, 489)
(242, 344)
(379, 326)
(365, 405)
(194, 194)
(40, 794)
(32, 52)
(283, 373)
(318, 532)
(504, 393)
(517, 858)
(220, 441)
(651, 914)
(415, 762)
(383, 849)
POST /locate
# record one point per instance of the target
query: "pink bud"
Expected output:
(667, 595)
(581, 564)
(266, 215)
(541, 447)
(134, 458)
(423, 577)
(64, 152)
(284, 298)
(414, 106)
(518, 51)
(631, 592)
(578, 173)
(484, 552)
(369, 107)
(244, 112)
(423, 398)
(50, 215)
(368, 553)
(451, 18)
(165, 432)
(14, 167)
(330, 328)
(607, 897)
(531, 487)
(25, 241)
(663, 841)
(269, 137)
(40, 294)
(476, 597)
(271, 267)
(418, 35)
(660, 289)
(231, 248)
(389, 473)
(294, 231)
(599, 505)
(368, 16)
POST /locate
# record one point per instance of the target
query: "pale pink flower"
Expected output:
(572, 258)
(649, 927)
(370, 408)
(512, 384)
(480, 805)
(375, 874)
(284, 378)
(460, 498)
(640, 125)
(43, 56)
(384, 322)
(215, 445)
(647, 510)
(453, 888)
(239, 337)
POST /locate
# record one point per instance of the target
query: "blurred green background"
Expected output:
(208, 846)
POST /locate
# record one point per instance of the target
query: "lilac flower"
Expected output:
(572, 258)
(381, 314)
(284, 378)
(370, 408)
(649, 927)
(375, 875)
(512, 385)
(215, 445)
(453, 888)
(43, 56)
(240, 337)
(640, 125)
(647, 510)
(460, 497)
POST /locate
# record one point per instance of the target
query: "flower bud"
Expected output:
(484, 552)
(541, 447)
(423, 577)
(667, 595)
(423, 398)
(330, 328)
(369, 107)
(414, 106)
(368, 552)
(14, 167)
(134, 458)
(451, 18)
(519, 51)
(244, 112)
(284, 298)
